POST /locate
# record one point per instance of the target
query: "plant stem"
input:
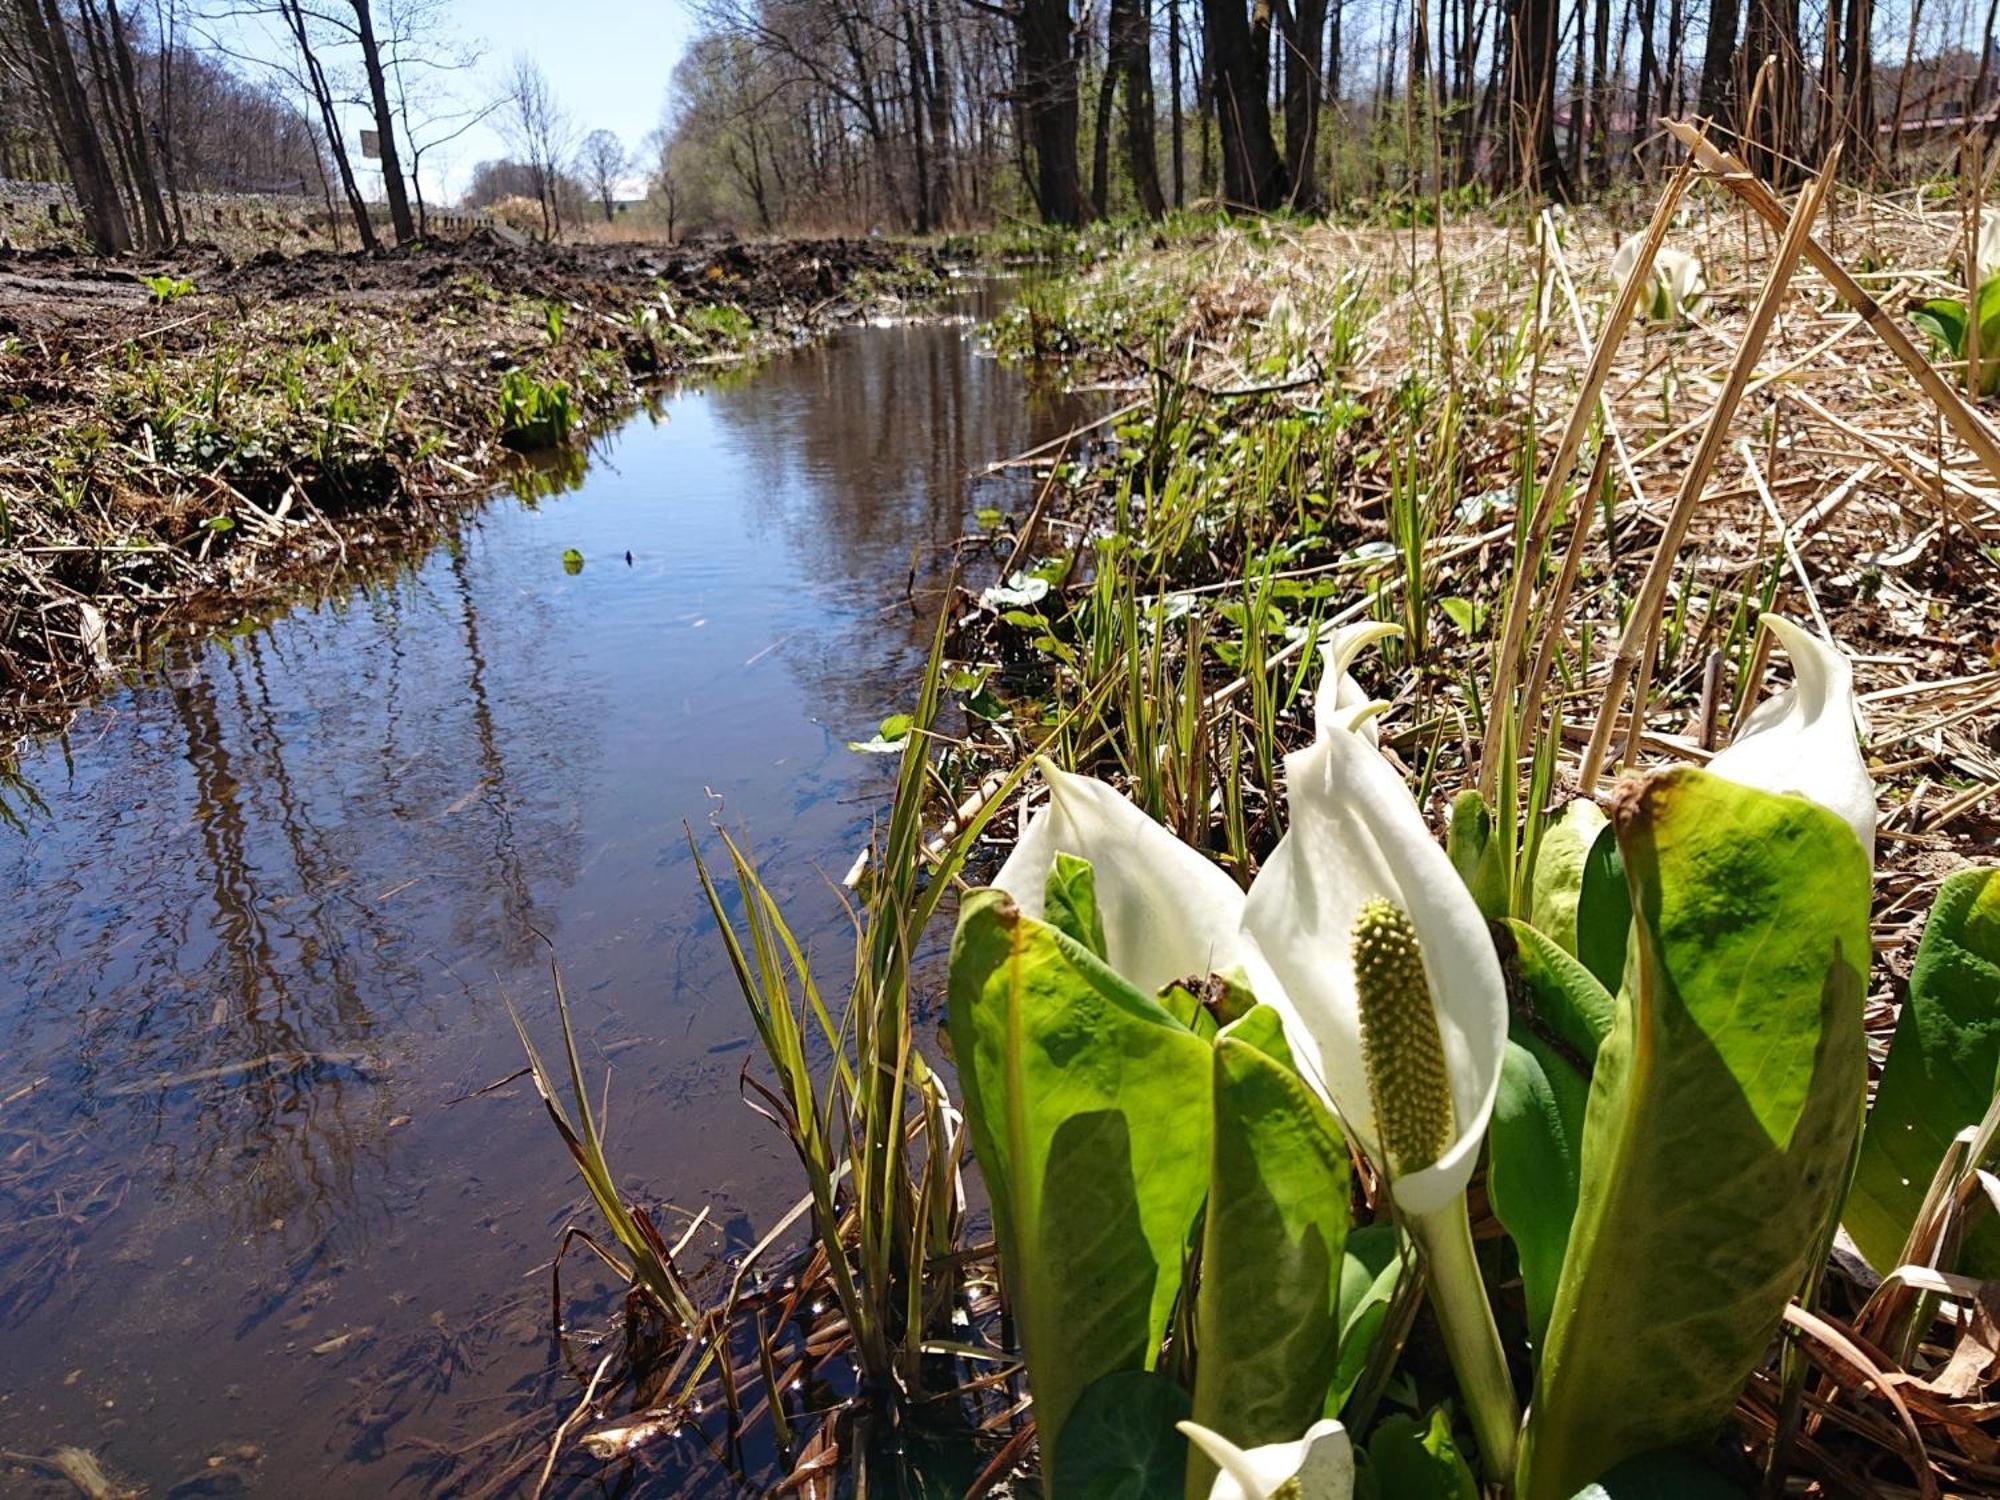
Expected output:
(1458, 1297)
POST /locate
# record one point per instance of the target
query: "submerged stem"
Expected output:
(1458, 1297)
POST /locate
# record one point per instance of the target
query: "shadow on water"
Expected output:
(265, 1217)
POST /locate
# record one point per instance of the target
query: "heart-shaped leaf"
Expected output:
(1940, 1075)
(1089, 1108)
(1267, 1336)
(1534, 1147)
(1723, 1111)
(1120, 1442)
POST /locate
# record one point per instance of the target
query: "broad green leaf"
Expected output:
(1121, 1443)
(1723, 1112)
(1267, 1335)
(1604, 912)
(1408, 1460)
(1370, 1274)
(1070, 905)
(1473, 843)
(1666, 1475)
(1089, 1107)
(1567, 998)
(1940, 1075)
(1944, 321)
(1533, 1149)
(1559, 862)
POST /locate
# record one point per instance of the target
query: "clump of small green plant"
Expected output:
(1948, 322)
(165, 288)
(534, 413)
(721, 324)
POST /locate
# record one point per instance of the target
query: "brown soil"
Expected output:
(188, 459)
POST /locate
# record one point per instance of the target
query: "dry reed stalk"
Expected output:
(1641, 630)
(1558, 601)
(1515, 628)
(1738, 178)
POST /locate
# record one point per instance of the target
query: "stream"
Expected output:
(276, 1212)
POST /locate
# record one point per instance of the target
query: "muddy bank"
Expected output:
(185, 439)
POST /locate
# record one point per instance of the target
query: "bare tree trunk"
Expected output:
(1537, 165)
(1174, 99)
(1100, 137)
(1718, 60)
(1303, 26)
(1253, 175)
(1773, 31)
(46, 35)
(1131, 57)
(1649, 73)
(1859, 116)
(393, 187)
(322, 95)
(1047, 87)
(1909, 61)
(128, 77)
(1600, 95)
(118, 88)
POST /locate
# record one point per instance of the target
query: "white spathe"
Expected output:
(1988, 246)
(1803, 738)
(1321, 1463)
(1675, 273)
(1339, 694)
(1168, 911)
(1356, 835)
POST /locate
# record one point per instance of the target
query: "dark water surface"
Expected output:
(259, 1232)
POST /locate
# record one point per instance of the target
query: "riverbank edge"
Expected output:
(135, 503)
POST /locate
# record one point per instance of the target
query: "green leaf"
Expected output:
(1666, 1475)
(1559, 864)
(1462, 613)
(1534, 1146)
(1604, 912)
(1473, 844)
(1371, 1273)
(572, 560)
(1412, 1461)
(1273, 1240)
(1121, 1443)
(1070, 903)
(1090, 1108)
(1567, 998)
(1944, 320)
(1722, 1115)
(1939, 1078)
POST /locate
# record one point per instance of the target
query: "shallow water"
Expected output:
(261, 1231)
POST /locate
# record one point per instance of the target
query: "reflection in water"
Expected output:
(264, 1215)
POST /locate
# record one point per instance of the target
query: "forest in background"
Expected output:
(918, 116)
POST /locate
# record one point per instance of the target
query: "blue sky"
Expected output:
(607, 62)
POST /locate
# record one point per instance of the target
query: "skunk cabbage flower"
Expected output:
(1395, 1002)
(1802, 739)
(1359, 920)
(1359, 933)
(1340, 696)
(1988, 246)
(1168, 911)
(1319, 1466)
(1678, 281)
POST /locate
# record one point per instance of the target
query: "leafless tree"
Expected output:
(603, 162)
(540, 133)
